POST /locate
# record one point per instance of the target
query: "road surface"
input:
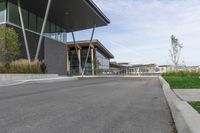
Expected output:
(99, 105)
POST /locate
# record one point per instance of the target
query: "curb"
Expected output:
(116, 76)
(52, 79)
(10, 77)
(187, 120)
(40, 80)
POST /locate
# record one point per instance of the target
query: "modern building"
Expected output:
(98, 61)
(43, 26)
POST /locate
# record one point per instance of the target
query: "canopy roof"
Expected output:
(69, 14)
(96, 43)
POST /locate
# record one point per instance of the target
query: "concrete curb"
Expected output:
(116, 76)
(187, 120)
(17, 79)
(6, 77)
(51, 79)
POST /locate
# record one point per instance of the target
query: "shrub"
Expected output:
(9, 45)
(23, 66)
(2, 68)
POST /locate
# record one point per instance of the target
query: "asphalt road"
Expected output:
(106, 105)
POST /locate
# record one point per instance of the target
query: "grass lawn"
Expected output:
(183, 82)
(195, 105)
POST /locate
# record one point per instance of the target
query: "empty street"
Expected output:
(98, 105)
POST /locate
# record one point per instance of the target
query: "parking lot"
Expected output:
(93, 105)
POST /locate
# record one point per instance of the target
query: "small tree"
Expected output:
(9, 45)
(175, 51)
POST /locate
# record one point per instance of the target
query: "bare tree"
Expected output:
(175, 51)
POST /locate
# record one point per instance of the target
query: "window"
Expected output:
(47, 28)
(13, 15)
(25, 18)
(39, 24)
(53, 28)
(2, 11)
(32, 21)
(101, 61)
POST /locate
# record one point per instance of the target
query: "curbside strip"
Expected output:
(17, 79)
(187, 120)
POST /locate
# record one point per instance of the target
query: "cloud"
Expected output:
(140, 29)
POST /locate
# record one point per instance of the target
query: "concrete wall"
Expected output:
(55, 57)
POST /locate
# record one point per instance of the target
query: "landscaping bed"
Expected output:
(183, 80)
(195, 105)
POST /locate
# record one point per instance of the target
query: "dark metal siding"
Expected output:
(55, 57)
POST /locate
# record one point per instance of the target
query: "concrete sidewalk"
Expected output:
(188, 94)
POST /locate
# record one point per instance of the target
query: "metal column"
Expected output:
(77, 52)
(43, 28)
(92, 60)
(92, 35)
(24, 32)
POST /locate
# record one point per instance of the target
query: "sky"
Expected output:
(140, 30)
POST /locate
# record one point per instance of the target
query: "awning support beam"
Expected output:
(42, 30)
(23, 30)
(75, 45)
(88, 52)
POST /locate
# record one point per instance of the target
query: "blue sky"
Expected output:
(140, 30)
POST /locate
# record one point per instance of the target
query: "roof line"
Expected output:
(97, 10)
(94, 41)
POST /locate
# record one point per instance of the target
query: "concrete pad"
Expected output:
(188, 94)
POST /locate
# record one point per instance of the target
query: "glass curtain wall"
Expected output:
(102, 63)
(2, 11)
(32, 21)
(74, 64)
(88, 66)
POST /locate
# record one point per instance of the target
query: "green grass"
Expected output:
(195, 105)
(183, 82)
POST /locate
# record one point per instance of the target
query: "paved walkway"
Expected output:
(188, 94)
(100, 105)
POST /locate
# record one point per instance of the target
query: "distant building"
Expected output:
(130, 69)
(193, 68)
(165, 68)
(142, 68)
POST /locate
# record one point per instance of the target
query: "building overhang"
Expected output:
(96, 44)
(70, 14)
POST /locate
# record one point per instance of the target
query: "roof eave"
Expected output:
(98, 11)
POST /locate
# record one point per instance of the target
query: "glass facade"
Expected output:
(2, 11)
(88, 66)
(74, 64)
(32, 22)
(102, 62)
